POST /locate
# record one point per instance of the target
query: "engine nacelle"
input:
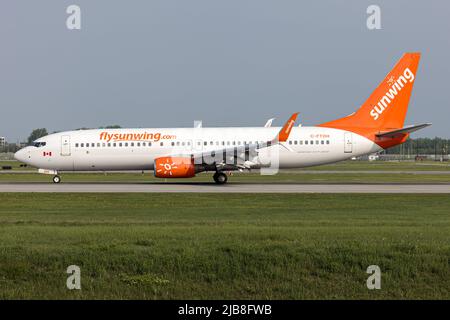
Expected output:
(174, 167)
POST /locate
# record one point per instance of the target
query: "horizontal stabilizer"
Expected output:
(405, 130)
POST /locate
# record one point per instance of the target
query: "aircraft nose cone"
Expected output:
(20, 155)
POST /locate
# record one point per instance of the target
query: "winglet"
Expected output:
(284, 133)
(269, 123)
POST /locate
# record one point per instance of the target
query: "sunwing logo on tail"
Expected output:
(394, 90)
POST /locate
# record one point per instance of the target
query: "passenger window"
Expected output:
(205, 143)
(234, 143)
(76, 145)
(211, 143)
(109, 144)
(328, 141)
(149, 144)
(103, 144)
(161, 144)
(178, 143)
(98, 144)
(120, 144)
(114, 144)
(295, 142)
(132, 144)
(173, 144)
(322, 142)
(306, 141)
(182, 144)
(290, 142)
(143, 144)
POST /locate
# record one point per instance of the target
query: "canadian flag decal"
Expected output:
(47, 154)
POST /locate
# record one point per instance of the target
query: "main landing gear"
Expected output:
(56, 179)
(220, 177)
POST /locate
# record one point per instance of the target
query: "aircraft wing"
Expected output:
(237, 156)
(402, 131)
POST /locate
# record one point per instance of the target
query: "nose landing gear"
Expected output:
(220, 177)
(56, 179)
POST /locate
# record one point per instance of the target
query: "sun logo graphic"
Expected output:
(167, 167)
(174, 167)
(391, 80)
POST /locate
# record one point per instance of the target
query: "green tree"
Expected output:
(36, 134)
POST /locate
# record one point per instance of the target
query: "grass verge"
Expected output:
(212, 246)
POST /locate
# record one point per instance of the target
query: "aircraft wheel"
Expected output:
(220, 178)
(56, 179)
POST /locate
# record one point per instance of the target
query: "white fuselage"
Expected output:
(136, 149)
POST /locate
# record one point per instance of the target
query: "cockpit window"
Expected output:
(39, 144)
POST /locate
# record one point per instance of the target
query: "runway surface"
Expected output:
(228, 188)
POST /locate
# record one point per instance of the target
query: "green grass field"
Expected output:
(212, 246)
(15, 165)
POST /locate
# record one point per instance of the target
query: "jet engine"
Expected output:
(174, 167)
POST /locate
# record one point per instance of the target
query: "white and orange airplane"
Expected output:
(183, 152)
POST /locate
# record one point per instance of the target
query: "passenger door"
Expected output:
(348, 142)
(65, 145)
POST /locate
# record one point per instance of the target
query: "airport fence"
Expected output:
(405, 157)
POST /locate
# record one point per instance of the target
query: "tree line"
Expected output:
(422, 146)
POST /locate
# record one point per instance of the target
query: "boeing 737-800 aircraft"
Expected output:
(183, 152)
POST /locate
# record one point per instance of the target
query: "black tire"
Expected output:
(56, 179)
(220, 178)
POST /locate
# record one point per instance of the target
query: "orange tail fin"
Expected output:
(386, 107)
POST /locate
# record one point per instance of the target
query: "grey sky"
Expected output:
(167, 63)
